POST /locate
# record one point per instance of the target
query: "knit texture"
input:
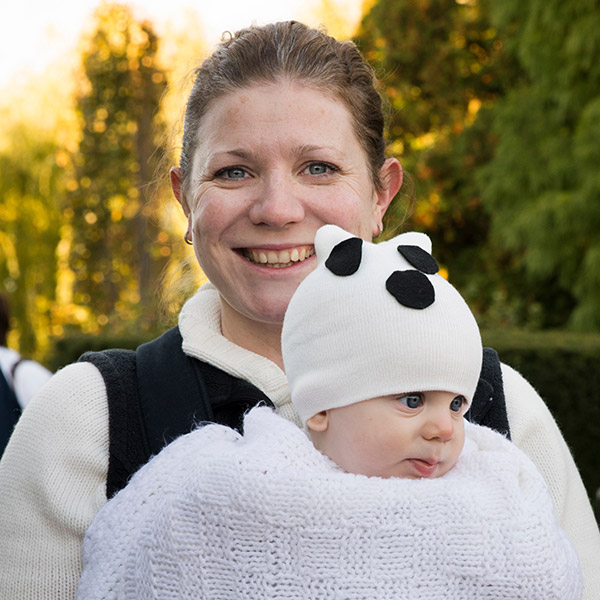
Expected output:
(51, 489)
(376, 319)
(217, 515)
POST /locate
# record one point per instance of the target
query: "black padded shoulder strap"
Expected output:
(128, 444)
(171, 389)
(154, 394)
(489, 404)
(158, 393)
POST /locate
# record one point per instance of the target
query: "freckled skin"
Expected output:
(275, 136)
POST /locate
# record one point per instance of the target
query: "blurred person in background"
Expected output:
(20, 378)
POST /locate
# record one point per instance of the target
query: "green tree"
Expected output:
(116, 241)
(31, 188)
(443, 66)
(542, 186)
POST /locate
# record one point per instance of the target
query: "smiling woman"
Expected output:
(273, 164)
(283, 133)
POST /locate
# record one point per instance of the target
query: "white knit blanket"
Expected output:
(220, 516)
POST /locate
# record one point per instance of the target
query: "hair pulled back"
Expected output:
(289, 50)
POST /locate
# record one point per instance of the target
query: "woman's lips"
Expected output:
(277, 259)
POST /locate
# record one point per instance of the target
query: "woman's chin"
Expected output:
(258, 308)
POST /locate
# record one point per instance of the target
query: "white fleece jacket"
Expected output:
(220, 516)
(53, 472)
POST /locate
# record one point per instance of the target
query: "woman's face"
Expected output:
(273, 164)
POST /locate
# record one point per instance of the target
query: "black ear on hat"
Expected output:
(419, 259)
(344, 259)
(411, 288)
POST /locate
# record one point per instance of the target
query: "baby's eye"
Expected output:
(231, 173)
(411, 400)
(319, 169)
(457, 403)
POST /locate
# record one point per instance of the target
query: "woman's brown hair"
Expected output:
(289, 50)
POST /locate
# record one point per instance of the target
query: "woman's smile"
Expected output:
(278, 259)
(274, 163)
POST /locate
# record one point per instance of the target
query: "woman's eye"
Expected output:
(411, 400)
(231, 173)
(457, 403)
(319, 169)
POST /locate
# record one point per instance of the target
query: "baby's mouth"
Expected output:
(278, 259)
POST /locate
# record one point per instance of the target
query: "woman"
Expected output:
(283, 133)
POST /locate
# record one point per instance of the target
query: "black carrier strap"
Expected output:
(171, 389)
(128, 444)
(158, 393)
(489, 405)
(177, 392)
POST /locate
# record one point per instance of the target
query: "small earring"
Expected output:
(379, 230)
(188, 241)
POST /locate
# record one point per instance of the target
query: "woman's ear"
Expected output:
(176, 180)
(391, 179)
(318, 422)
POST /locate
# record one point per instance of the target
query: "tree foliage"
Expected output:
(542, 187)
(443, 66)
(81, 246)
(494, 110)
(30, 187)
(115, 253)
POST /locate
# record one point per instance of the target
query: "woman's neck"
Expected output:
(258, 337)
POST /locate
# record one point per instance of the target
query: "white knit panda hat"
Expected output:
(373, 320)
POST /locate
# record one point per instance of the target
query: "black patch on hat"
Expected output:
(345, 257)
(419, 259)
(411, 288)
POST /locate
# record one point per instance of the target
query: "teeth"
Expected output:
(277, 260)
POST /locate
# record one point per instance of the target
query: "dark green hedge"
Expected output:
(565, 370)
(68, 349)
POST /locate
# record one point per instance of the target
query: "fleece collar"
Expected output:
(200, 327)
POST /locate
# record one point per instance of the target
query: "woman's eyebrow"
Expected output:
(239, 152)
(296, 151)
(308, 148)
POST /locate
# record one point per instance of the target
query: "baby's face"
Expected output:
(411, 435)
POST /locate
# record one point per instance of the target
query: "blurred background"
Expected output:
(493, 109)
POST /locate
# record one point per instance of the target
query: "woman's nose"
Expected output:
(277, 203)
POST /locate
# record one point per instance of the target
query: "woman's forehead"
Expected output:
(290, 116)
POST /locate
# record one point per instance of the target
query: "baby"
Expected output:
(382, 356)
(397, 496)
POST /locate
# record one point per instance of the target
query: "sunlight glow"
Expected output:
(34, 33)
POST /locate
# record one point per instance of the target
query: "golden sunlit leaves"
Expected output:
(10, 255)
(88, 197)
(426, 211)
(99, 126)
(90, 218)
(474, 106)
